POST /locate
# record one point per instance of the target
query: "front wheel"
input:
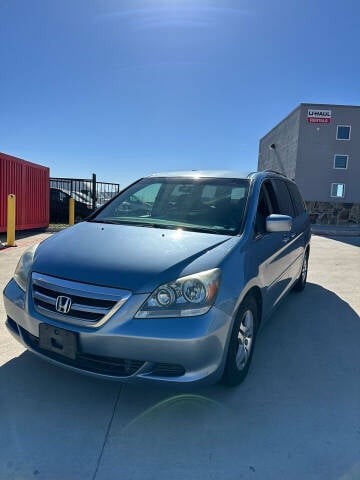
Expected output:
(301, 281)
(242, 343)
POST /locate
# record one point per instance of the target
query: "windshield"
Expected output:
(214, 205)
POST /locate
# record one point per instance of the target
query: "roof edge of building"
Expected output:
(328, 105)
(281, 121)
(306, 104)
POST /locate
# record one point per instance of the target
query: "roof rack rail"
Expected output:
(275, 171)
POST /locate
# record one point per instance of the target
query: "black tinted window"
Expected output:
(285, 206)
(264, 210)
(296, 197)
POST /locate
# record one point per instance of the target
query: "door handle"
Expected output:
(286, 237)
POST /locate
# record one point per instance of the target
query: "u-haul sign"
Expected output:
(319, 116)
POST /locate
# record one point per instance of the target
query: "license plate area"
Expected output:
(57, 340)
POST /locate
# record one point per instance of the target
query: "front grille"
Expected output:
(116, 367)
(91, 305)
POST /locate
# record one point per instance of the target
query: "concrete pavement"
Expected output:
(297, 416)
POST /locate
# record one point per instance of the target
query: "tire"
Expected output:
(300, 283)
(239, 355)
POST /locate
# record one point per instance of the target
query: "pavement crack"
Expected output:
(107, 433)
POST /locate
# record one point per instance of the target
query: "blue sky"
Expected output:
(125, 88)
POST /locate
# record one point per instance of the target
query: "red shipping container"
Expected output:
(30, 183)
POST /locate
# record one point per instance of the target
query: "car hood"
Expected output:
(122, 256)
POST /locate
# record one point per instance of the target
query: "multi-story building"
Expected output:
(319, 146)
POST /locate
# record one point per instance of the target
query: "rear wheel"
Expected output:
(301, 281)
(242, 343)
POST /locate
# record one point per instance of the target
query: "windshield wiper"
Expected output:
(150, 225)
(111, 222)
(188, 228)
(124, 222)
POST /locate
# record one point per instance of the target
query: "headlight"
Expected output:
(23, 267)
(184, 297)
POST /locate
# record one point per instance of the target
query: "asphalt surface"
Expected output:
(297, 416)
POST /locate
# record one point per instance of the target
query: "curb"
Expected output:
(55, 229)
(335, 232)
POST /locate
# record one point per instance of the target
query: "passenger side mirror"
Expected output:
(278, 223)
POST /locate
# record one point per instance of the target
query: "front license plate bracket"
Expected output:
(58, 340)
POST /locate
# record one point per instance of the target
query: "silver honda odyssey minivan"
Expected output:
(170, 281)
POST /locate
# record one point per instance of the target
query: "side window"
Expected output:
(338, 190)
(208, 192)
(297, 199)
(285, 206)
(238, 193)
(136, 204)
(147, 194)
(264, 209)
(343, 132)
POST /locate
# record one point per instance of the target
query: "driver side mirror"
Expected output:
(278, 223)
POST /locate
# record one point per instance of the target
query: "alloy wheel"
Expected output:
(245, 339)
(304, 269)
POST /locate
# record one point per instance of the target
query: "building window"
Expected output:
(343, 132)
(338, 190)
(341, 161)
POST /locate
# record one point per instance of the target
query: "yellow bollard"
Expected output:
(71, 211)
(11, 215)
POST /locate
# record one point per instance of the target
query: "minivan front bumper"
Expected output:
(165, 350)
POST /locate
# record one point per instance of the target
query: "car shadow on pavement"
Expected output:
(297, 407)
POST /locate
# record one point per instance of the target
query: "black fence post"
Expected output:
(94, 191)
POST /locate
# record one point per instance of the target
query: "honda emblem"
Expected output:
(63, 304)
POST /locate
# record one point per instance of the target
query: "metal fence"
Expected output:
(88, 194)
